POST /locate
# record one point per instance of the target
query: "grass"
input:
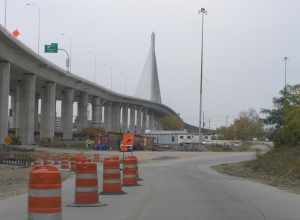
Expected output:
(279, 167)
(221, 148)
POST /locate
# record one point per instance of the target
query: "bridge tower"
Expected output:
(148, 87)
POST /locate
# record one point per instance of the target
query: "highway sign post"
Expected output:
(51, 48)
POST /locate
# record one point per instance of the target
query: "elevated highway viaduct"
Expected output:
(26, 78)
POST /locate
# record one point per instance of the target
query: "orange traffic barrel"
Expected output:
(130, 171)
(137, 169)
(111, 176)
(77, 158)
(86, 185)
(116, 157)
(44, 196)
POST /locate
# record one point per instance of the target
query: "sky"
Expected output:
(244, 45)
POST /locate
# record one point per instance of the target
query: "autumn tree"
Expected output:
(246, 127)
(171, 122)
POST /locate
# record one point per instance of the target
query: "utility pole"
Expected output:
(5, 13)
(203, 12)
(285, 60)
(203, 121)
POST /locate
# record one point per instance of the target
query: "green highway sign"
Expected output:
(51, 48)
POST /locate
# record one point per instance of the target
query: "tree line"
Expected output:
(280, 124)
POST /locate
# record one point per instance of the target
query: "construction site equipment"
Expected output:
(44, 196)
(127, 142)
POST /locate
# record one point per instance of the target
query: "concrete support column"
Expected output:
(48, 111)
(36, 114)
(108, 116)
(82, 110)
(156, 122)
(27, 109)
(116, 117)
(67, 113)
(125, 118)
(139, 120)
(13, 109)
(96, 112)
(132, 119)
(17, 99)
(151, 120)
(4, 93)
(144, 120)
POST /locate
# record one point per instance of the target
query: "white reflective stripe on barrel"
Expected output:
(45, 192)
(111, 171)
(129, 176)
(130, 166)
(86, 175)
(86, 189)
(45, 216)
(112, 181)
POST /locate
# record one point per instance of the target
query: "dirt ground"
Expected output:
(14, 180)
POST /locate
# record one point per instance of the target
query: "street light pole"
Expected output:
(70, 50)
(203, 12)
(111, 78)
(285, 59)
(39, 23)
(5, 13)
(67, 58)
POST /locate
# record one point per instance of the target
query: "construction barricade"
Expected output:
(112, 176)
(86, 185)
(130, 171)
(44, 196)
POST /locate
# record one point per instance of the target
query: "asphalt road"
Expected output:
(180, 190)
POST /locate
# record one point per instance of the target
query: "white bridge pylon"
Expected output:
(148, 86)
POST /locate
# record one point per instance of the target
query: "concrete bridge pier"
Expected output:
(27, 109)
(144, 120)
(132, 119)
(82, 110)
(125, 118)
(48, 116)
(13, 108)
(36, 114)
(67, 113)
(108, 116)
(139, 120)
(4, 94)
(116, 117)
(96, 112)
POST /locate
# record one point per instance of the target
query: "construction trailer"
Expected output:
(162, 137)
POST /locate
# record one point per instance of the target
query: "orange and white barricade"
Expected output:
(130, 171)
(86, 185)
(44, 196)
(112, 176)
